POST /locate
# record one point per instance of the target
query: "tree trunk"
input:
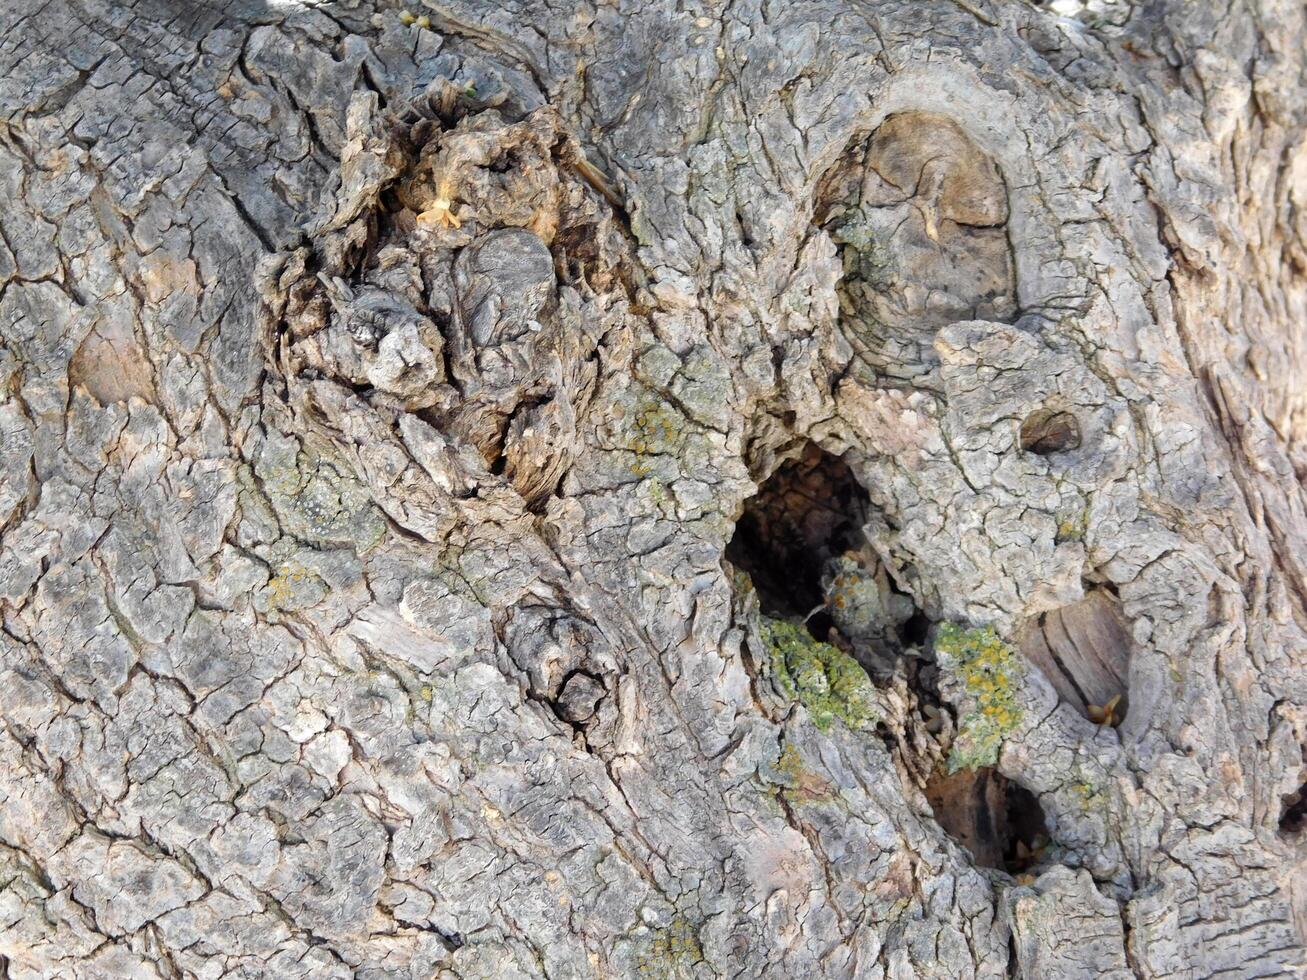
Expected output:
(755, 489)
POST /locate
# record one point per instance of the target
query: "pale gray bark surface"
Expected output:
(379, 397)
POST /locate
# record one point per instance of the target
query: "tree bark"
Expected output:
(653, 489)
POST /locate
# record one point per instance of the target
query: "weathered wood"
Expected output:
(380, 389)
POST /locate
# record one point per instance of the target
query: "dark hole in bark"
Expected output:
(998, 821)
(913, 632)
(1048, 431)
(451, 940)
(1293, 818)
(810, 510)
(820, 624)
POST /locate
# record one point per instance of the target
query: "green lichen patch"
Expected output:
(1073, 526)
(649, 434)
(825, 680)
(988, 672)
(672, 952)
(317, 498)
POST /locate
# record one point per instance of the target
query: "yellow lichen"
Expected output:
(673, 952)
(291, 587)
(1073, 527)
(988, 672)
(655, 431)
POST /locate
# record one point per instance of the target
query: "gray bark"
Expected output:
(381, 389)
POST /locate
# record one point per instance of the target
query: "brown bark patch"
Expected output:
(1084, 650)
(111, 366)
(920, 214)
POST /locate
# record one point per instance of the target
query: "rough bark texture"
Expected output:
(380, 391)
